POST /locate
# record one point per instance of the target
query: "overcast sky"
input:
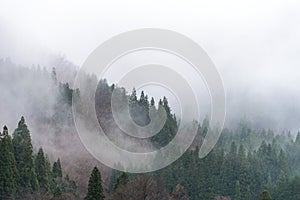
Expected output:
(254, 44)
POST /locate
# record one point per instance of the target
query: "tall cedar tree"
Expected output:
(229, 171)
(237, 195)
(8, 170)
(265, 195)
(23, 152)
(41, 170)
(169, 130)
(56, 169)
(95, 189)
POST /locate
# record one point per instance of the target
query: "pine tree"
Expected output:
(41, 170)
(237, 195)
(294, 189)
(170, 128)
(57, 191)
(23, 152)
(229, 171)
(54, 76)
(283, 162)
(143, 109)
(133, 105)
(241, 154)
(8, 170)
(245, 180)
(152, 102)
(282, 186)
(56, 169)
(297, 141)
(121, 180)
(265, 195)
(248, 193)
(113, 180)
(95, 189)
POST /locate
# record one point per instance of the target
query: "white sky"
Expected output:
(75, 28)
(255, 44)
(256, 36)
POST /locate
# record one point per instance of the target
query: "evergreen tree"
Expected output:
(57, 191)
(54, 76)
(283, 162)
(95, 189)
(241, 154)
(41, 170)
(281, 191)
(237, 195)
(294, 189)
(8, 170)
(152, 102)
(23, 152)
(113, 180)
(134, 107)
(169, 130)
(297, 141)
(121, 180)
(229, 171)
(56, 169)
(265, 195)
(248, 195)
(245, 180)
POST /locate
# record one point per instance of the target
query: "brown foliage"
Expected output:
(145, 187)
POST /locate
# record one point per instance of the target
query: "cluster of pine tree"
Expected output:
(241, 166)
(237, 174)
(139, 109)
(24, 174)
(245, 163)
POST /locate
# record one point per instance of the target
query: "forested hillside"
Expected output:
(241, 165)
(25, 174)
(246, 163)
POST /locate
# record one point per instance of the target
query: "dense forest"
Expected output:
(245, 164)
(26, 174)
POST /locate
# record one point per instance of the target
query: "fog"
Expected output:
(253, 44)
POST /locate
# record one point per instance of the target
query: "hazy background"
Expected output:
(254, 44)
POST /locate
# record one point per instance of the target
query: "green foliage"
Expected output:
(57, 191)
(139, 109)
(25, 175)
(56, 169)
(23, 152)
(265, 195)
(237, 195)
(121, 180)
(66, 93)
(113, 180)
(95, 189)
(238, 173)
(294, 188)
(167, 133)
(254, 159)
(42, 170)
(242, 163)
(229, 171)
(8, 170)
